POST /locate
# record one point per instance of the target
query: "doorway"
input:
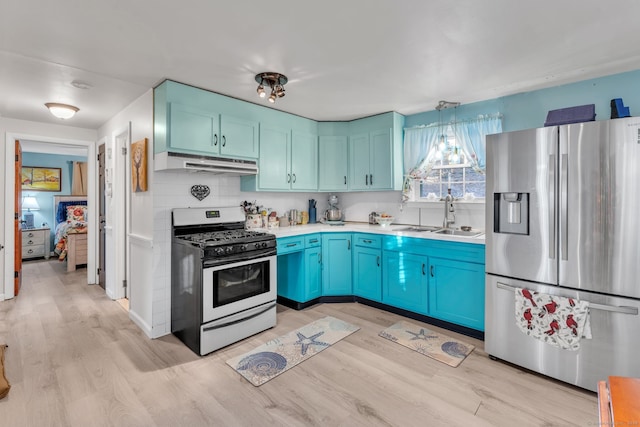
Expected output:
(55, 145)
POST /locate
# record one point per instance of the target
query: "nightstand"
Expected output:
(35, 243)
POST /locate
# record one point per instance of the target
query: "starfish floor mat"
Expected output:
(283, 353)
(432, 344)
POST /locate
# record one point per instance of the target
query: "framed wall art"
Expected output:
(35, 178)
(139, 166)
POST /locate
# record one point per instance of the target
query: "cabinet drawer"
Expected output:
(287, 245)
(368, 240)
(312, 240)
(32, 251)
(30, 238)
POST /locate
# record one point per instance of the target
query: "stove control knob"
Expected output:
(219, 251)
(229, 249)
(265, 244)
(257, 245)
(243, 248)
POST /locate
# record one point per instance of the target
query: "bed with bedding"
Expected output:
(71, 230)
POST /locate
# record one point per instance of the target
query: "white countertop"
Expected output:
(363, 227)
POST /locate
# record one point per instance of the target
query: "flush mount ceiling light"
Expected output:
(275, 81)
(62, 111)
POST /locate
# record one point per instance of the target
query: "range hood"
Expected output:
(198, 163)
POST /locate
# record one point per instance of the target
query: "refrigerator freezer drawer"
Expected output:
(612, 350)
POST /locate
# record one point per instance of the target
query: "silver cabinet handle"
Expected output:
(290, 245)
(366, 180)
(564, 197)
(370, 179)
(367, 241)
(288, 178)
(345, 180)
(294, 178)
(224, 141)
(604, 307)
(313, 241)
(552, 204)
(215, 139)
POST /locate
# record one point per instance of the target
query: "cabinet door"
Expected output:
(367, 273)
(333, 163)
(239, 137)
(359, 162)
(381, 160)
(404, 283)
(192, 129)
(274, 159)
(336, 264)
(304, 161)
(313, 273)
(456, 292)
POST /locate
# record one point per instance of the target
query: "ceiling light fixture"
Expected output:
(62, 111)
(447, 149)
(275, 81)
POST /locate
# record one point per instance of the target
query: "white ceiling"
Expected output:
(344, 59)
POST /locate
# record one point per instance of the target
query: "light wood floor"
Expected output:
(75, 359)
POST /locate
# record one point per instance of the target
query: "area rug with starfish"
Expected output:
(283, 353)
(435, 345)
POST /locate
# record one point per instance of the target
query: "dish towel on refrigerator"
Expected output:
(558, 321)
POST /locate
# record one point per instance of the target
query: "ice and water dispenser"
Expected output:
(511, 213)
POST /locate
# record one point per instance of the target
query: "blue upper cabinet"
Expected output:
(238, 137)
(191, 120)
(375, 153)
(333, 163)
(304, 161)
(275, 159)
(193, 129)
(288, 161)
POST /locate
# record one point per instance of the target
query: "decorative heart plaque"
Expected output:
(200, 191)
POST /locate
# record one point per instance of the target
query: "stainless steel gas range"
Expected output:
(223, 278)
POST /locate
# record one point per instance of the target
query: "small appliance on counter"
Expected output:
(333, 215)
(372, 218)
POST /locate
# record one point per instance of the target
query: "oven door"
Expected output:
(238, 286)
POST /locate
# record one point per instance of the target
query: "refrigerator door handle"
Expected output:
(564, 197)
(552, 206)
(604, 307)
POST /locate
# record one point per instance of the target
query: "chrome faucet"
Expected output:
(449, 211)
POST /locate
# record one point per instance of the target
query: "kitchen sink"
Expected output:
(416, 228)
(456, 232)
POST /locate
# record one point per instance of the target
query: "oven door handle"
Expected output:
(244, 319)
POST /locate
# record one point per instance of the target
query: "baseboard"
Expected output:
(139, 321)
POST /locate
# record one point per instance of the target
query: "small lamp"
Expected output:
(29, 203)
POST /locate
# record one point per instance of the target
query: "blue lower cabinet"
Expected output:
(367, 273)
(336, 264)
(456, 292)
(313, 273)
(405, 281)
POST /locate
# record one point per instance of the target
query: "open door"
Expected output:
(101, 216)
(17, 225)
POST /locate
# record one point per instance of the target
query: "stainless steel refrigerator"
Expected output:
(563, 218)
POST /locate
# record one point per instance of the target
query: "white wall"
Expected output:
(10, 129)
(139, 239)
